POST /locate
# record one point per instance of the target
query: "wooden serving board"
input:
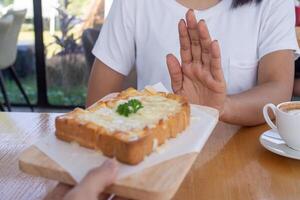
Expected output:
(142, 185)
(158, 182)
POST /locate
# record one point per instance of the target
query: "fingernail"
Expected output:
(183, 21)
(202, 20)
(190, 13)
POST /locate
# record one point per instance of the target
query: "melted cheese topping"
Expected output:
(154, 109)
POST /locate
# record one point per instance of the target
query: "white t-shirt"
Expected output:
(143, 32)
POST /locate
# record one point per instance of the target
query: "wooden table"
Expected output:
(232, 165)
(17, 132)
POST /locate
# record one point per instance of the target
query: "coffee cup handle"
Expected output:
(267, 117)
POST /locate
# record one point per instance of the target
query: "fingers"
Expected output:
(103, 197)
(205, 41)
(58, 192)
(185, 43)
(194, 36)
(185, 51)
(216, 66)
(111, 197)
(101, 177)
(120, 198)
(175, 72)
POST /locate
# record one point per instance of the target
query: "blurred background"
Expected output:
(54, 45)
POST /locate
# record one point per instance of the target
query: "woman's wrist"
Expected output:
(225, 113)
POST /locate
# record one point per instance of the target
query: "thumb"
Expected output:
(101, 177)
(175, 72)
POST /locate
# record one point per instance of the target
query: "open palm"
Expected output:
(199, 76)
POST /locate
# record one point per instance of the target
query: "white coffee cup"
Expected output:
(287, 116)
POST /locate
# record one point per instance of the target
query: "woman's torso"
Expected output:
(237, 31)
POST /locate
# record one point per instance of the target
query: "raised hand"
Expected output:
(199, 76)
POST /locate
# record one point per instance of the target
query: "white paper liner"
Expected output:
(77, 161)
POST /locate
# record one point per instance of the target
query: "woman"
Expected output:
(251, 64)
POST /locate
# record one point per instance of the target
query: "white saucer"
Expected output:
(272, 141)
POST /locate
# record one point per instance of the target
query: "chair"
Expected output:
(1, 107)
(89, 37)
(8, 52)
(5, 24)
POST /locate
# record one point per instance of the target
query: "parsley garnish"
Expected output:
(132, 106)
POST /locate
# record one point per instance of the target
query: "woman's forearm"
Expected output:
(103, 80)
(246, 108)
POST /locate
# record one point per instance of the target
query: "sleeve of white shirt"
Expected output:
(278, 28)
(115, 46)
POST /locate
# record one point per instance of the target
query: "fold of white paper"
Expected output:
(77, 161)
(159, 87)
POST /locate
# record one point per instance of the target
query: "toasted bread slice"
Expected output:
(128, 138)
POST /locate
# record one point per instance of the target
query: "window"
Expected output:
(69, 33)
(25, 61)
(57, 73)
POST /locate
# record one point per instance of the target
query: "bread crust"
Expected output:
(88, 134)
